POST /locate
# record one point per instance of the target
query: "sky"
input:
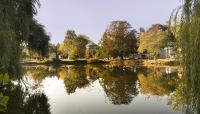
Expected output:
(92, 17)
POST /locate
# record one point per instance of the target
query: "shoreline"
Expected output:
(126, 62)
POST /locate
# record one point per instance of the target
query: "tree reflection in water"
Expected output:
(118, 82)
(121, 85)
(75, 78)
(39, 73)
(37, 104)
(187, 95)
(157, 82)
(23, 102)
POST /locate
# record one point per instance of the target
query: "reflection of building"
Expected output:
(158, 81)
(168, 70)
(90, 47)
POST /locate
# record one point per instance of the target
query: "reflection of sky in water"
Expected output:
(92, 100)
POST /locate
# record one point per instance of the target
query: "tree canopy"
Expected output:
(17, 26)
(190, 45)
(74, 46)
(155, 39)
(38, 39)
(119, 40)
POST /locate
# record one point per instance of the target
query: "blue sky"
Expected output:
(91, 17)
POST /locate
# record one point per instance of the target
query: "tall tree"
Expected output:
(119, 40)
(155, 39)
(38, 39)
(69, 38)
(74, 46)
(16, 17)
(78, 49)
(190, 45)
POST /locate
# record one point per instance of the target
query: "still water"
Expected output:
(97, 90)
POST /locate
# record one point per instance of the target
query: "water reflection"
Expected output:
(121, 85)
(186, 96)
(75, 77)
(37, 104)
(23, 102)
(157, 81)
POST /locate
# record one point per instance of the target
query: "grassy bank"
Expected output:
(160, 62)
(67, 62)
(83, 61)
(126, 62)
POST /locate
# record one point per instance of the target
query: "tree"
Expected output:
(190, 44)
(38, 39)
(16, 17)
(119, 40)
(67, 44)
(74, 46)
(62, 50)
(53, 48)
(78, 49)
(155, 39)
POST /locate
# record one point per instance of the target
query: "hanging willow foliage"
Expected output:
(15, 18)
(189, 38)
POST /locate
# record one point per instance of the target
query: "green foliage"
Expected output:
(4, 79)
(189, 35)
(74, 46)
(18, 29)
(178, 98)
(39, 73)
(80, 48)
(155, 39)
(62, 50)
(26, 102)
(76, 78)
(119, 84)
(38, 39)
(6, 45)
(37, 104)
(3, 102)
(16, 19)
(17, 14)
(158, 83)
(119, 40)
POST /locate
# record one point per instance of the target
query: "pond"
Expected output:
(99, 89)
